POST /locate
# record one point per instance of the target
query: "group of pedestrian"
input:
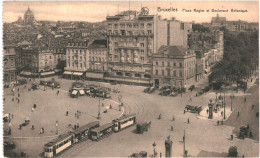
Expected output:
(41, 131)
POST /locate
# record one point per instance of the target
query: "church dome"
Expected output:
(28, 13)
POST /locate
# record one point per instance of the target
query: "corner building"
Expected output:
(132, 40)
(174, 66)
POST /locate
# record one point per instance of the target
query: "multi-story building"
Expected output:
(133, 38)
(9, 56)
(174, 66)
(37, 61)
(98, 54)
(76, 59)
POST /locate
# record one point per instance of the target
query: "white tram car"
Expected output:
(124, 122)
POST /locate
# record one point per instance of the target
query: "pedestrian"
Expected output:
(188, 121)
(34, 106)
(238, 114)
(75, 114)
(12, 98)
(75, 126)
(196, 94)
(18, 89)
(222, 122)
(171, 128)
(181, 94)
(173, 118)
(231, 137)
(218, 122)
(20, 127)
(250, 134)
(110, 106)
(32, 127)
(221, 113)
(253, 106)
(32, 109)
(4, 99)
(18, 100)
(67, 113)
(251, 80)
(102, 104)
(42, 130)
(12, 116)
(160, 116)
(207, 111)
(184, 111)
(58, 92)
(18, 94)
(243, 155)
(190, 99)
(245, 99)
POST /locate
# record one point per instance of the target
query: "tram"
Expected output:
(66, 140)
(102, 131)
(124, 122)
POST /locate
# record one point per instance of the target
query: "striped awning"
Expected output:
(47, 73)
(82, 92)
(27, 73)
(77, 73)
(74, 92)
(67, 73)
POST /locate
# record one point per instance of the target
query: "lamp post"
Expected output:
(154, 151)
(224, 107)
(231, 97)
(57, 124)
(98, 117)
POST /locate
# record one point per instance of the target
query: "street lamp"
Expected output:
(154, 151)
(231, 97)
(98, 117)
(224, 107)
(57, 124)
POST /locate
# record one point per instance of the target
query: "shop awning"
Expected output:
(67, 73)
(77, 73)
(74, 92)
(47, 73)
(27, 73)
(94, 75)
(81, 92)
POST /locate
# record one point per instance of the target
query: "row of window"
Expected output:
(122, 58)
(97, 59)
(168, 73)
(76, 51)
(174, 64)
(98, 52)
(130, 39)
(80, 65)
(135, 25)
(131, 33)
(135, 52)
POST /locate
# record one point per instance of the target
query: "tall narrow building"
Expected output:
(134, 37)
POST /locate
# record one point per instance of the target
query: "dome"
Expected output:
(28, 13)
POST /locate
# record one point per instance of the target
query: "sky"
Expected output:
(96, 11)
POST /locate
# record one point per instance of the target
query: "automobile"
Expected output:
(9, 145)
(6, 117)
(192, 87)
(35, 86)
(243, 132)
(232, 151)
(44, 83)
(74, 93)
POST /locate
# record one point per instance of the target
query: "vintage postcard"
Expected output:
(130, 79)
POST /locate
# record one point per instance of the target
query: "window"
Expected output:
(80, 52)
(180, 73)
(163, 72)
(180, 64)
(168, 73)
(156, 72)
(174, 73)
(142, 58)
(169, 64)
(122, 32)
(80, 65)
(182, 26)
(80, 58)
(116, 44)
(142, 51)
(174, 64)
(149, 32)
(110, 25)
(122, 25)
(116, 57)
(115, 26)
(162, 63)
(142, 44)
(142, 25)
(156, 63)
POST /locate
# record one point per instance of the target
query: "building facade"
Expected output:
(174, 66)
(133, 38)
(9, 56)
(77, 58)
(29, 17)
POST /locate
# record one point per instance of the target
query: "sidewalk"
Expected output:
(216, 115)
